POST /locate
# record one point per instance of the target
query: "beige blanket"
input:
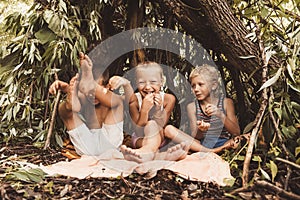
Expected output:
(205, 167)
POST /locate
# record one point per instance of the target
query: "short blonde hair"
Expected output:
(150, 65)
(211, 74)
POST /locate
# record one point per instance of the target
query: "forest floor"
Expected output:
(15, 184)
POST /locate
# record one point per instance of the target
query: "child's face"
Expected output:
(201, 87)
(148, 81)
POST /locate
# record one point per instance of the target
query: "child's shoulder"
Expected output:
(191, 105)
(169, 97)
(228, 100)
(133, 99)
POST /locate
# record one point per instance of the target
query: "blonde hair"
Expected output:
(151, 65)
(211, 74)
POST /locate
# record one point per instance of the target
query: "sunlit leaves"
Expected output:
(272, 80)
(30, 175)
(44, 38)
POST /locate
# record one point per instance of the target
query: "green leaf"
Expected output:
(256, 158)
(274, 170)
(21, 175)
(278, 112)
(290, 72)
(59, 140)
(45, 35)
(288, 131)
(265, 174)
(295, 105)
(269, 55)
(229, 181)
(271, 81)
(297, 151)
(63, 6)
(297, 89)
(34, 178)
(17, 67)
(247, 57)
(248, 128)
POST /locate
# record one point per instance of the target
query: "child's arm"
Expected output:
(197, 127)
(58, 85)
(162, 116)
(139, 117)
(106, 97)
(117, 81)
(229, 119)
(191, 110)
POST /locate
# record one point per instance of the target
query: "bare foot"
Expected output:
(72, 100)
(136, 155)
(177, 152)
(87, 83)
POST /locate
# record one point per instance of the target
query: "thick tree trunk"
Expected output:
(212, 23)
(135, 16)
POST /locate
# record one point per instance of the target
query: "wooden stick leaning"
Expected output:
(52, 120)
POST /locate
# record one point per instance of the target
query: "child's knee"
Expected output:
(151, 124)
(169, 130)
(62, 111)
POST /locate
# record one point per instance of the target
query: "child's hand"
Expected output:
(117, 81)
(203, 126)
(157, 100)
(58, 85)
(211, 110)
(148, 102)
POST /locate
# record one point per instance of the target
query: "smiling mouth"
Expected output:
(148, 92)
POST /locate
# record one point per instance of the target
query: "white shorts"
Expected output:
(96, 141)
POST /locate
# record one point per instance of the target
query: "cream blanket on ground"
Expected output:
(205, 167)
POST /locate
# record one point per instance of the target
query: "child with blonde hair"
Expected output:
(212, 117)
(150, 109)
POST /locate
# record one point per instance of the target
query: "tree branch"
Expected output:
(277, 190)
(260, 114)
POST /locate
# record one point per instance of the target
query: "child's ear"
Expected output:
(214, 85)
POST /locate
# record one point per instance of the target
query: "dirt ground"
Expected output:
(165, 185)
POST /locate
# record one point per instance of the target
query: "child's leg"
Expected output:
(68, 110)
(179, 136)
(92, 89)
(149, 144)
(152, 137)
(87, 83)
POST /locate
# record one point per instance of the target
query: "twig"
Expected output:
(288, 162)
(277, 133)
(260, 113)
(52, 120)
(47, 143)
(285, 11)
(47, 104)
(242, 189)
(288, 175)
(278, 190)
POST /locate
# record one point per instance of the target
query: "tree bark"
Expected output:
(212, 23)
(135, 16)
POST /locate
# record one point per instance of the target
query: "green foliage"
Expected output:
(46, 39)
(279, 25)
